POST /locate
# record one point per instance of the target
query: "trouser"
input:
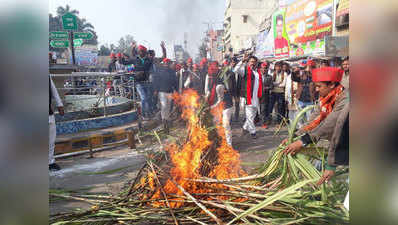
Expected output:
(264, 108)
(165, 105)
(237, 108)
(307, 115)
(250, 112)
(144, 91)
(154, 99)
(52, 135)
(226, 123)
(116, 86)
(280, 99)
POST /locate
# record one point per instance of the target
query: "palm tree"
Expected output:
(61, 10)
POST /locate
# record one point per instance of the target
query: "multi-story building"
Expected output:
(243, 19)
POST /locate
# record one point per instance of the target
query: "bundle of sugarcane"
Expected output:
(283, 192)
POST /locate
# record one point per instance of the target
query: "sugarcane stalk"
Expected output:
(218, 221)
(196, 221)
(164, 194)
(79, 199)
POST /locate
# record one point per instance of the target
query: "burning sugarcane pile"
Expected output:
(200, 181)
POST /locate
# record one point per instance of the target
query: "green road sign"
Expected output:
(69, 21)
(77, 42)
(83, 35)
(59, 35)
(59, 43)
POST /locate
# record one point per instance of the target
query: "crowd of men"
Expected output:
(243, 84)
(246, 86)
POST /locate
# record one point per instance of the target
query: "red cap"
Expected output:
(189, 60)
(118, 55)
(264, 64)
(142, 48)
(327, 74)
(310, 62)
(166, 60)
(112, 55)
(178, 67)
(226, 62)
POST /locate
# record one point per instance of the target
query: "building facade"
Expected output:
(242, 21)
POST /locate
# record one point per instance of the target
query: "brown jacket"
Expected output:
(331, 127)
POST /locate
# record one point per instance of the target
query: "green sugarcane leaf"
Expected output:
(272, 199)
(293, 168)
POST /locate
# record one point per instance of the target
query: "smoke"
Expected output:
(189, 16)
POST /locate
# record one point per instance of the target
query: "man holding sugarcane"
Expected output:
(328, 121)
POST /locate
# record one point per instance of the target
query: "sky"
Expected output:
(149, 21)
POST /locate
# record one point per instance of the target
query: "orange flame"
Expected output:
(187, 159)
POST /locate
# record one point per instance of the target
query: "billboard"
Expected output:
(86, 57)
(281, 39)
(307, 24)
(265, 45)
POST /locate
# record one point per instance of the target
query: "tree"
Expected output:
(61, 10)
(124, 44)
(104, 50)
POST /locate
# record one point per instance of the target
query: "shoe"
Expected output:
(54, 167)
(264, 126)
(253, 136)
(243, 132)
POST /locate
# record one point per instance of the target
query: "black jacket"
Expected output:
(165, 80)
(111, 67)
(141, 65)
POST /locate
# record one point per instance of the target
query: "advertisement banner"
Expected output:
(307, 24)
(281, 39)
(265, 45)
(86, 57)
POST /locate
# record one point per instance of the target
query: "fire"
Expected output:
(189, 161)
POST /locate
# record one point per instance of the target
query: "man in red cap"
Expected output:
(265, 100)
(120, 68)
(251, 90)
(329, 120)
(112, 66)
(143, 66)
(194, 80)
(211, 82)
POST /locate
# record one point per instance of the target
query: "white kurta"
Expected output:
(254, 108)
(51, 123)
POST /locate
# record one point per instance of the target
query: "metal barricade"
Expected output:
(97, 89)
